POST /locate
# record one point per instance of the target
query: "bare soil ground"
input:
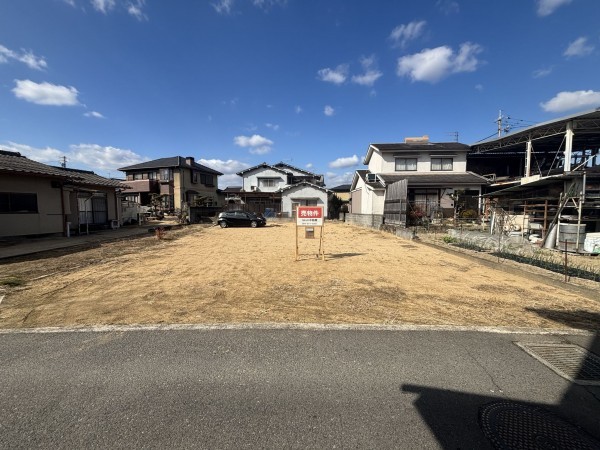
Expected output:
(211, 275)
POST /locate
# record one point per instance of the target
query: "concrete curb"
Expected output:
(296, 326)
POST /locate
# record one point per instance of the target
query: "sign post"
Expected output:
(312, 217)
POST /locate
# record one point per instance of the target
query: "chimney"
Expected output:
(189, 160)
(417, 140)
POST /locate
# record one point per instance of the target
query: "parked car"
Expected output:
(241, 219)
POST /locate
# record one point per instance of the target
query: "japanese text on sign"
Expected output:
(309, 216)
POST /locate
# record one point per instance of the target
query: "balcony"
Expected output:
(142, 186)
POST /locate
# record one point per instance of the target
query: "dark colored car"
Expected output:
(241, 219)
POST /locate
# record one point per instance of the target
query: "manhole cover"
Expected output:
(568, 360)
(511, 425)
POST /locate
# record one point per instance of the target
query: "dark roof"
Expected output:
(341, 188)
(263, 166)
(420, 146)
(232, 189)
(431, 147)
(88, 177)
(173, 161)
(436, 178)
(303, 183)
(14, 162)
(374, 184)
(282, 164)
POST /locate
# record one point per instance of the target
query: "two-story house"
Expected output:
(280, 188)
(175, 179)
(435, 174)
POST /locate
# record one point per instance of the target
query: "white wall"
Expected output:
(252, 179)
(386, 162)
(300, 193)
(371, 201)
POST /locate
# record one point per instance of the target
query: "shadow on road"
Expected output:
(468, 420)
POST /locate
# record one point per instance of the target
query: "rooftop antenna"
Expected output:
(63, 162)
(455, 134)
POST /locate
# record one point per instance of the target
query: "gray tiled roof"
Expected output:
(13, 162)
(363, 175)
(174, 161)
(435, 178)
(429, 146)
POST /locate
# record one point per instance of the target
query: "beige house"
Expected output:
(435, 174)
(37, 199)
(176, 179)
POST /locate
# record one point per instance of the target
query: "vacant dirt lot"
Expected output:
(214, 275)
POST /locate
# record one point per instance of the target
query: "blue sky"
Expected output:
(109, 83)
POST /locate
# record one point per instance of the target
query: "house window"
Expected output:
(405, 164)
(194, 177)
(152, 175)
(267, 182)
(208, 180)
(17, 203)
(441, 164)
(165, 174)
(137, 176)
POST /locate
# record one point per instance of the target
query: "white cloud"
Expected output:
(328, 111)
(268, 4)
(45, 93)
(103, 158)
(70, 2)
(272, 126)
(258, 144)
(578, 47)
(403, 34)
(298, 109)
(547, 7)
(309, 166)
(223, 6)
(371, 75)
(339, 163)
(335, 76)
(94, 114)
(103, 6)
(565, 101)
(26, 57)
(46, 155)
(136, 9)
(87, 156)
(230, 166)
(333, 179)
(479, 87)
(540, 73)
(432, 65)
(448, 6)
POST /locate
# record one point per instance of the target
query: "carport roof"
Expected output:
(436, 179)
(548, 136)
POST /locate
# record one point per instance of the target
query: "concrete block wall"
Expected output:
(365, 220)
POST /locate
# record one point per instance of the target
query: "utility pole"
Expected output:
(63, 162)
(499, 122)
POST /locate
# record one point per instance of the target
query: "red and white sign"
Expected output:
(307, 216)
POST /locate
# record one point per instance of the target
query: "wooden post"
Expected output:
(296, 242)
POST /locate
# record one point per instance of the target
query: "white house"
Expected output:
(280, 188)
(435, 174)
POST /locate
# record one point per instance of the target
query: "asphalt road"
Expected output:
(272, 388)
